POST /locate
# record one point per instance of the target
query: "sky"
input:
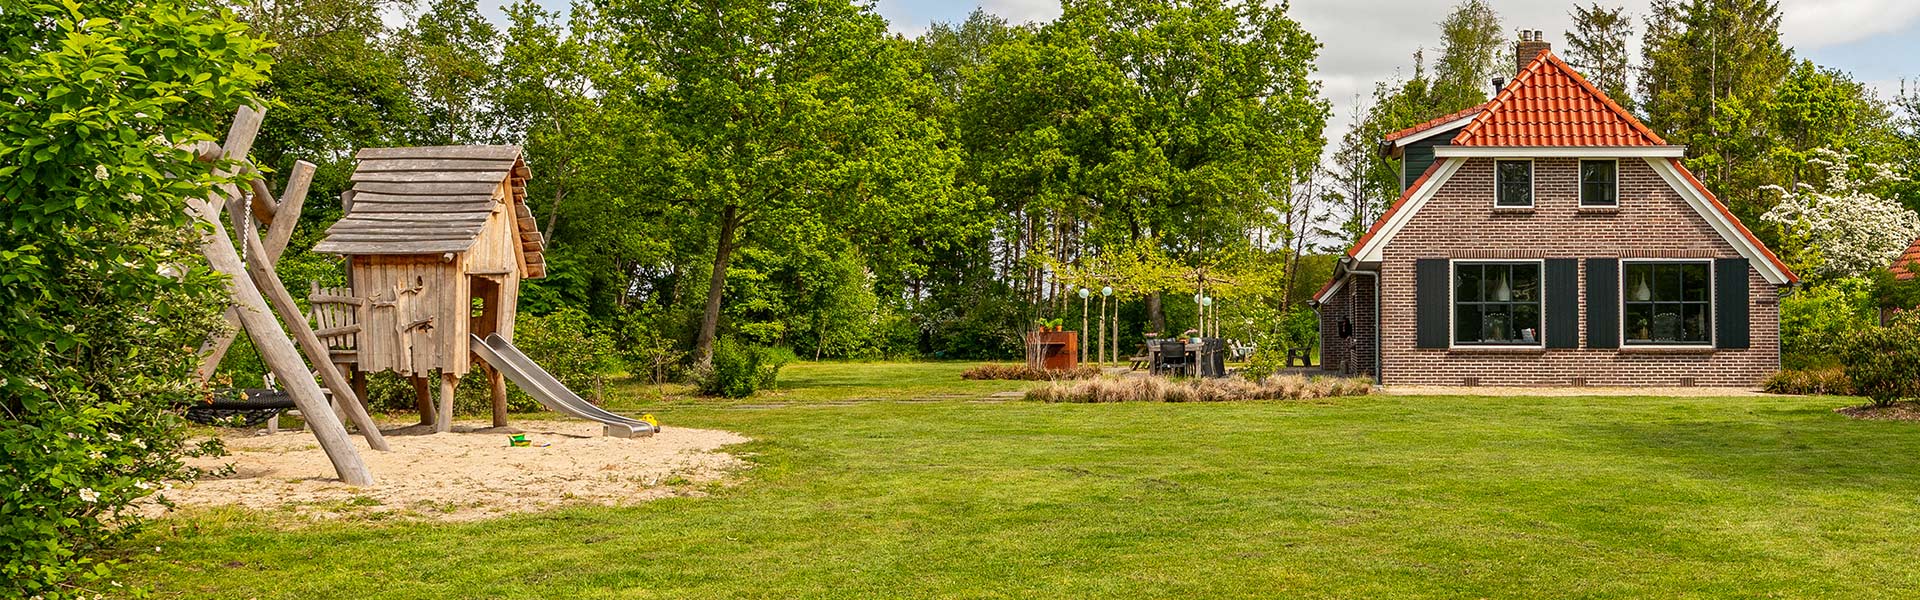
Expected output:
(1365, 41)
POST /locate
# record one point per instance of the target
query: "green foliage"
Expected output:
(101, 283)
(1597, 47)
(571, 345)
(1890, 292)
(1815, 321)
(1817, 380)
(1884, 362)
(738, 369)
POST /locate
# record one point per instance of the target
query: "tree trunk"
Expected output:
(716, 286)
(1156, 318)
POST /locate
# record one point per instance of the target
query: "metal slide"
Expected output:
(536, 382)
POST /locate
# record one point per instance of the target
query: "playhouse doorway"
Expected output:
(486, 317)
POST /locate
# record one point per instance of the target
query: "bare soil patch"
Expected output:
(1898, 411)
(466, 475)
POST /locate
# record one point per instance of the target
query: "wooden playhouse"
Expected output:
(436, 241)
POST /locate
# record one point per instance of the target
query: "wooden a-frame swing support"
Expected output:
(258, 293)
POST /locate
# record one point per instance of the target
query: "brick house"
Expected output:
(1551, 239)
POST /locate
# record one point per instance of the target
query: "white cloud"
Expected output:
(1807, 24)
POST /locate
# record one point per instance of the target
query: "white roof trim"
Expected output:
(1372, 252)
(1559, 151)
(1436, 130)
(1720, 222)
(1332, 289)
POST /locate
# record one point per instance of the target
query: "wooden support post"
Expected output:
(422, 399)
(498, 383)
(444, 422)
(278, 351)
(268, 281)
(281, 219)
(360, 388)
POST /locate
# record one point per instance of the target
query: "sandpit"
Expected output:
(466, 475)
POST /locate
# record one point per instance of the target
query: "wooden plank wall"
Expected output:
(335, 309)
(497, 253)
(402, 290)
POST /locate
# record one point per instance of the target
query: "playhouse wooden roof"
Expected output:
(433, 200)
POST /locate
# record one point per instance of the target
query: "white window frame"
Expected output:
(1533, 184)
(1580, 184)
(1713, 304)
(1539, 338)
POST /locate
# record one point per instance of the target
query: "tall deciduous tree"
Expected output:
(785, 113)
(452, 49)
(1597, 47)
(1472, 52)
(1707, 68)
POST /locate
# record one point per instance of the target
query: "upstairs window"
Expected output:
(1513, 183)
(1667, 302)
(1496, 303)
(1599, 183)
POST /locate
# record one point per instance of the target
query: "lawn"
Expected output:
(1380, 496)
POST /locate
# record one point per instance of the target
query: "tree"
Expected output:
(1708, 66)
(1845, 229)
(1597, 47)
(452, 52)
(104, 293)
(784, 113)
(1472, 53)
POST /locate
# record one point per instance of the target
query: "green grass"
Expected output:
(837, 382)
(1382, 496)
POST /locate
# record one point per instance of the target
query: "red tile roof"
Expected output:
(1904, 267)
(1548, 104)
(1722, 208)
(1436, 122)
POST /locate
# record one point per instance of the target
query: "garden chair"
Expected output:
(1171, 355)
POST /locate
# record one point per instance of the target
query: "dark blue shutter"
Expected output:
(1603, 303)
(1432, 301)
(1562, 318)
(1730, 303)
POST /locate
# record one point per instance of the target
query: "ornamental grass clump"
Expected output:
(1161, 389)
(1028, 373)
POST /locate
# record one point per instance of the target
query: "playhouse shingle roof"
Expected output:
(432, 200)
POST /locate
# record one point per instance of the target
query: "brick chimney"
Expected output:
(1531, 43)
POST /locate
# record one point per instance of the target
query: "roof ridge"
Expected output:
(1537, 109)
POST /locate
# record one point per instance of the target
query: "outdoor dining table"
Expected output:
(1195, 353)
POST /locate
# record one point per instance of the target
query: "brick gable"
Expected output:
(1652, 221)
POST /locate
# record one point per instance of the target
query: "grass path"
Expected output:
(1384, 496)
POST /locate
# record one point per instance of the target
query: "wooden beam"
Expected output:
(269, 281)
(318, 298)
(422, 399)
(481, 152)
(444, 422)
(277, 351)
(286, 213)
(338, 331)
(498, 383)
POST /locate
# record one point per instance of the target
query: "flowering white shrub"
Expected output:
(1847, 229)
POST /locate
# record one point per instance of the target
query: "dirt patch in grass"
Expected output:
(1898, 411)
(466, 475)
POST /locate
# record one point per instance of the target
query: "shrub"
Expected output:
(1161, 389)
(738, 370)
(568, 344)
(1023, 372)
(1884, 362)
(1822, 380)
(104, 292)
(1815, 321)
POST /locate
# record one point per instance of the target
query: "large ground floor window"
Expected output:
(1496, 303)
(1667, 302)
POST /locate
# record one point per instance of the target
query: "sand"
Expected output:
(466, 475)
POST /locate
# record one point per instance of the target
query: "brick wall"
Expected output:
(1352, 354)
(1652, 221)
